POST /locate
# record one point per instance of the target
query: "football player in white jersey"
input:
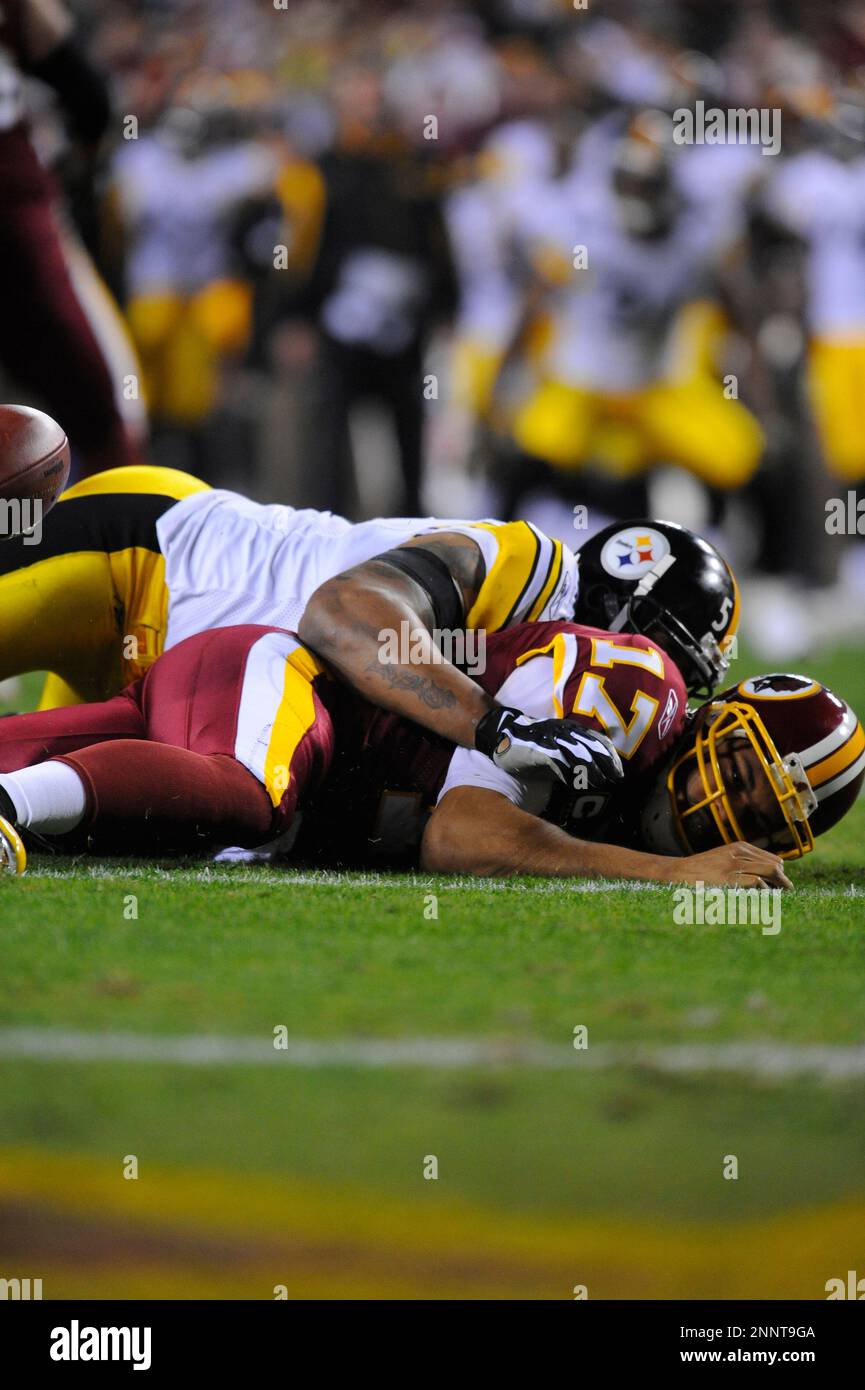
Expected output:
(638, 248)
(821, 199)
(134, 561)
(486, 219)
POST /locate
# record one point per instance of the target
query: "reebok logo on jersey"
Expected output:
(671, 709)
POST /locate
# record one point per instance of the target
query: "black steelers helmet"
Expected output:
(661, 580)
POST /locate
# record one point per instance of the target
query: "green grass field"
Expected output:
(602, 1166)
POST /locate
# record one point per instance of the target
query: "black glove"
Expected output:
(526, 748)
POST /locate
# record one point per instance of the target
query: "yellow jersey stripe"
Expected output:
(508, 578)
(294, 718)
(552, 579)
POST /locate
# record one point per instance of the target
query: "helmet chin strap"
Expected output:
(645, 587)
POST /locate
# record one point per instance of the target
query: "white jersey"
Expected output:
(489, 305)
(489, 223)
(719, 179)
(822, 200)
(611, 324)
(229, 560)
(176, 209)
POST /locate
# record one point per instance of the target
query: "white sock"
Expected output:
(49, 797)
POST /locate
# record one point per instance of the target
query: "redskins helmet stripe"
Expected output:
(833, 760)
(839, 768)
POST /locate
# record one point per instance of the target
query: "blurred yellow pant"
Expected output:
(836, 385)
(689, 422)
(475, 369)
(181, 342)
(478, 361)
(696, 344)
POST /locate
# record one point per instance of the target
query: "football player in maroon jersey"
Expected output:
(240, 736)
(47, 343)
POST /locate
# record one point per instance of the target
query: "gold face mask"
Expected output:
(723, 727)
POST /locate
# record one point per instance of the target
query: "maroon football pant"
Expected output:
(157, 760)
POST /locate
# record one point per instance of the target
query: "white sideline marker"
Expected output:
(264, 876)
(766, 1060)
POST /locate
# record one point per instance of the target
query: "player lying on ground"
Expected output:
(239, 736)
(134, 560)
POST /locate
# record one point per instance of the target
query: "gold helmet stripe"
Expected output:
(829, 788)
(839, 761)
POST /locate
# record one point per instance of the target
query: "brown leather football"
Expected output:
(34, 464)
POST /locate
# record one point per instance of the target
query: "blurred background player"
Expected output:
(380, 279)
(179, 189)
(617, 381)
(59, 340)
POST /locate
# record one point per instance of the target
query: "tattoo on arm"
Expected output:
(424, 687)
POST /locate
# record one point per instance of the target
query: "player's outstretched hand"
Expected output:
(526, 748)
(739, 865)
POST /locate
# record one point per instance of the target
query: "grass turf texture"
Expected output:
(239, 951)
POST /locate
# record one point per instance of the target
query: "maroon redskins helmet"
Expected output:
(808, 742)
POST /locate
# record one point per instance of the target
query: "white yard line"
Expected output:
(763, 1060)
(262, 876)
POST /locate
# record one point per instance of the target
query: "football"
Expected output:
(34, 466)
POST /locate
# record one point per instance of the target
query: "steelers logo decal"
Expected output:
(778, 687)
(631, 554)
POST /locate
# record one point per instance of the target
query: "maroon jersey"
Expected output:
(22, 177)
(388, 772)
(354, 785)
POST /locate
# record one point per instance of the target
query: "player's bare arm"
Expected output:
(477, 831)
(347, 623)
(347, 619)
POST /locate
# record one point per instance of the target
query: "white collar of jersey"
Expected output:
(562, 603)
